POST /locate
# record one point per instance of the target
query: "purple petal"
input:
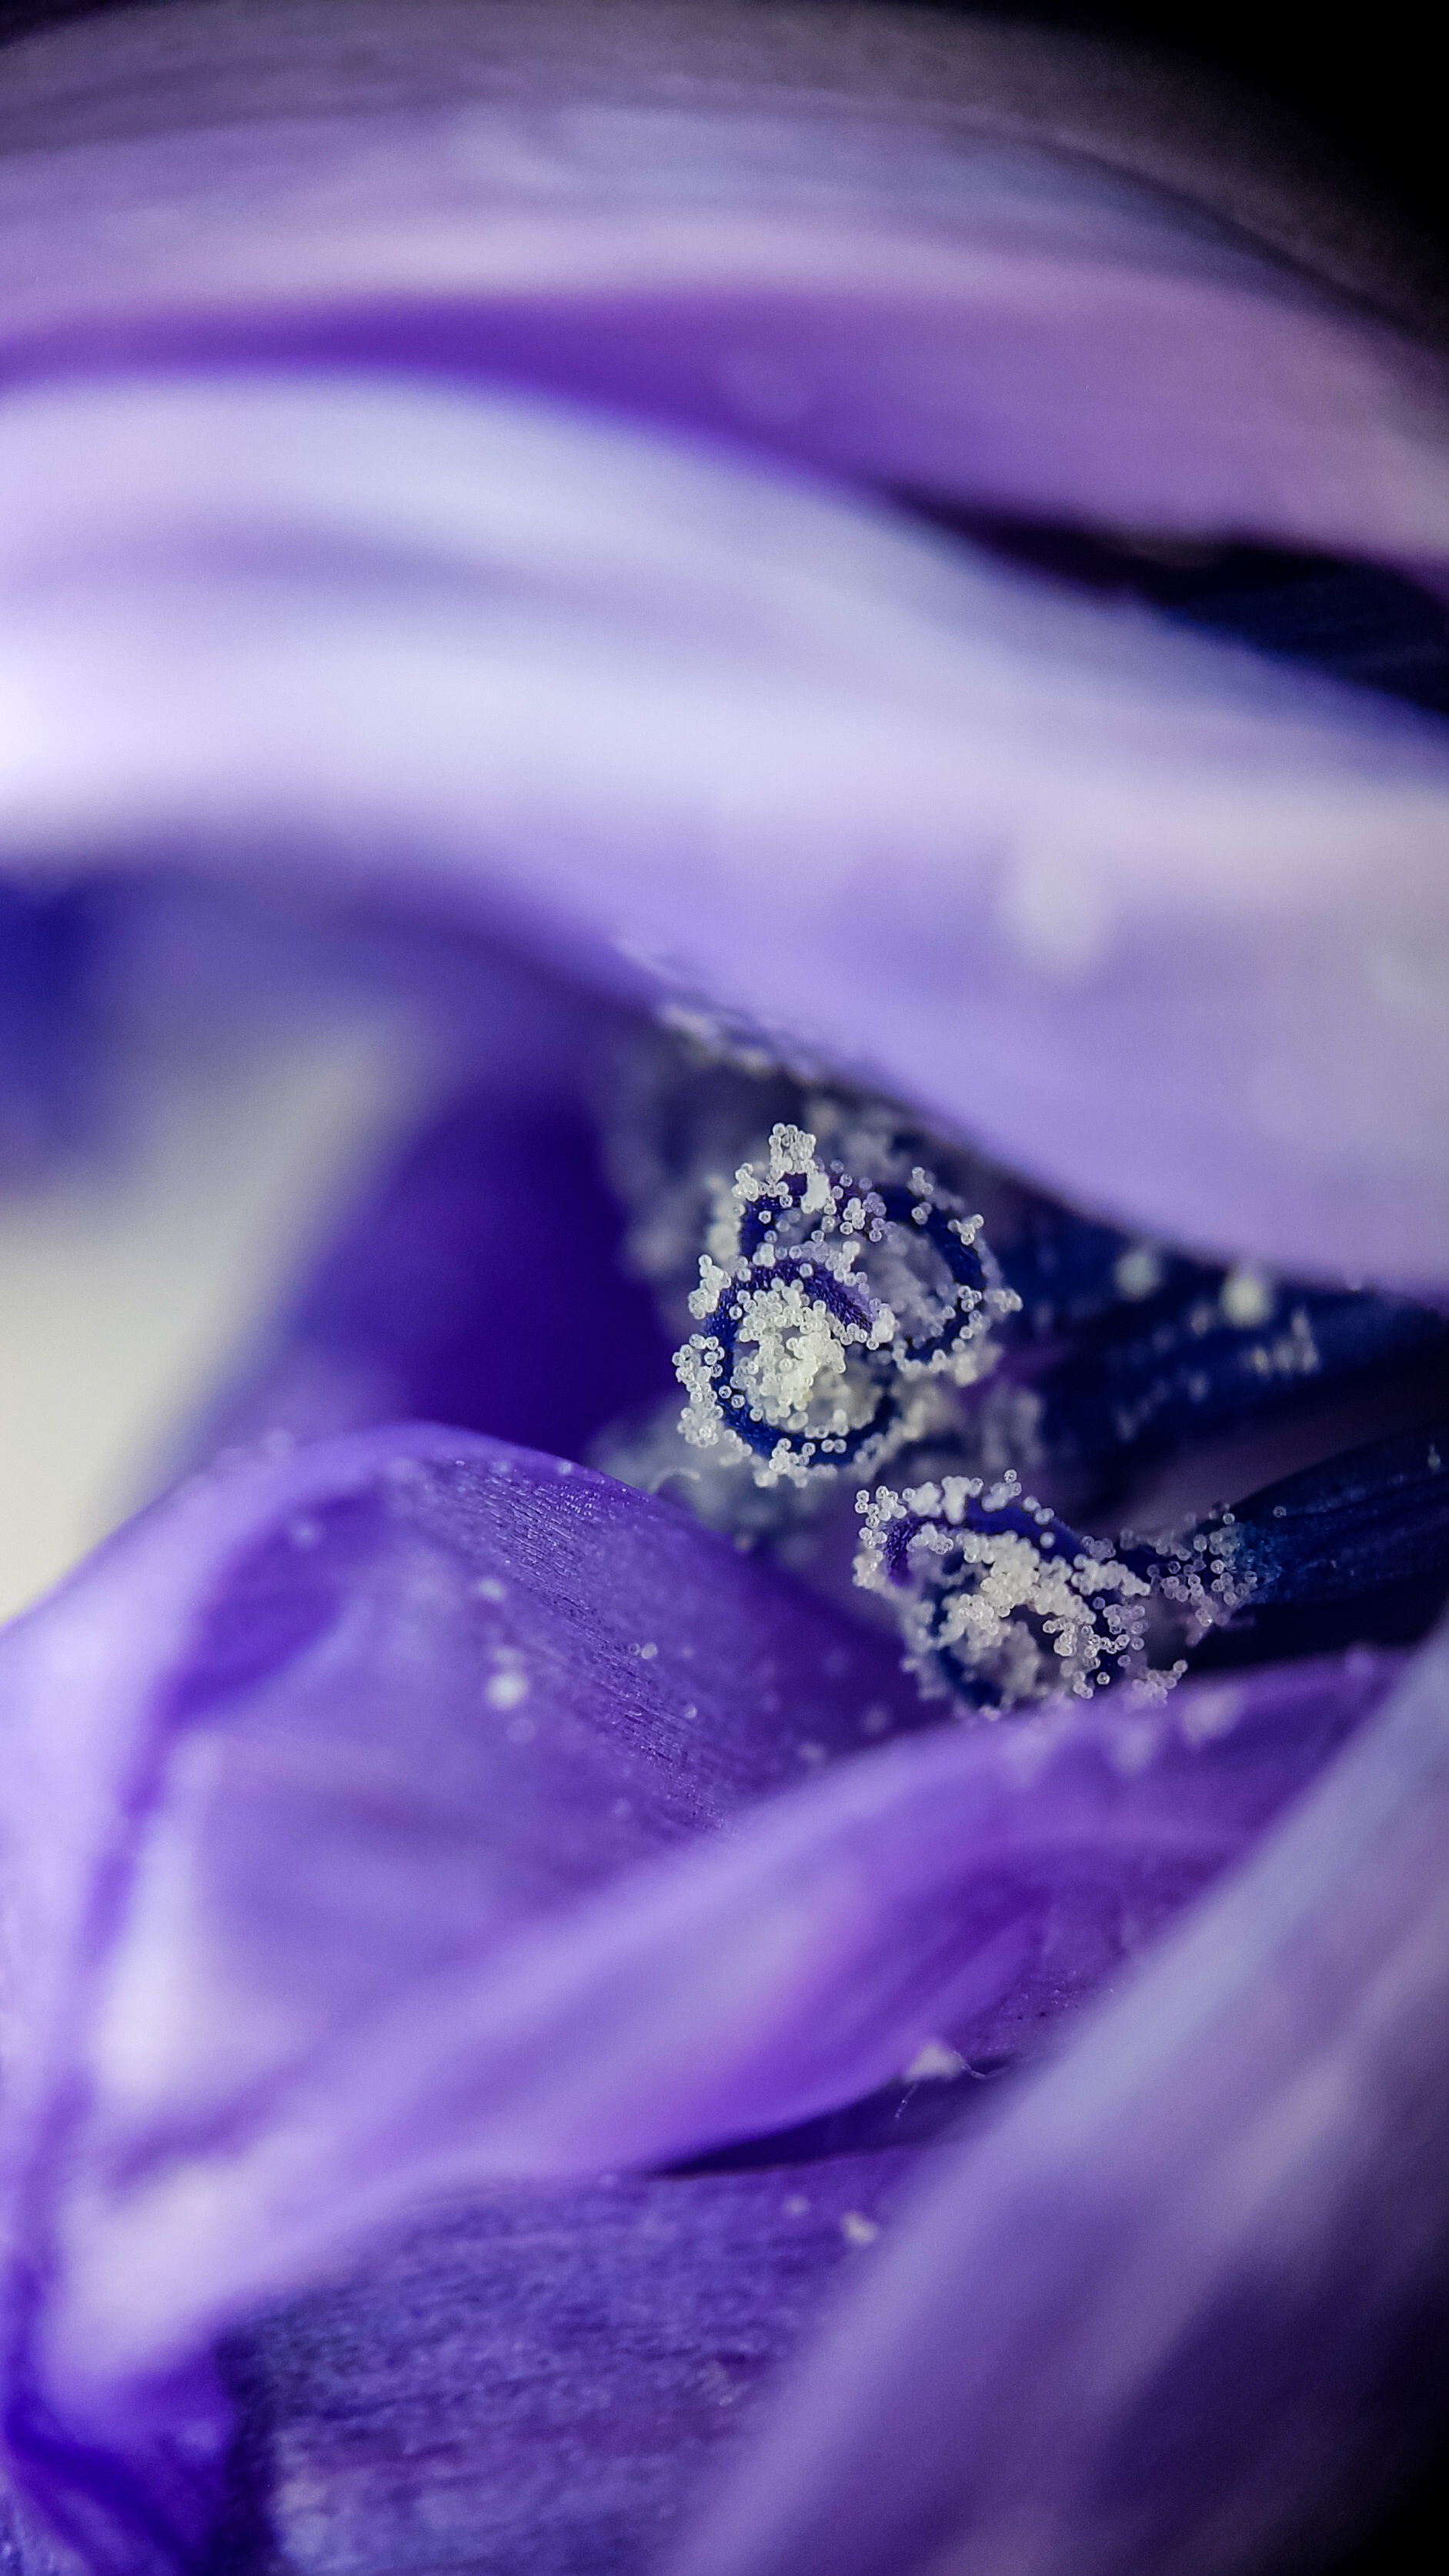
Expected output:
(1183, 2306)
(970, 1888)
(539, 2384)
(481, 1286)
(299, 1738)
(316, 1939)
(50, 1050)
(840, 241)
(1155, 920)
(483, 1652)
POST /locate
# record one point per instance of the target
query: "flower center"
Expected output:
(853, 1338)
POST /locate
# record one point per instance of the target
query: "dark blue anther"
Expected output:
(1354, 1552)
(766, 1438)
(1064, 1268)
(933, 1579)
(1043, 1529)
(962, 1260)
(1142, 1380)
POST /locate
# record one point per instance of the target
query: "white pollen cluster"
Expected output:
(998, 1603)
(839, 1308)
(1202, 1578)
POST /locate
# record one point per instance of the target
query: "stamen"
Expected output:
(999, 1602)
(1203, 1353)
(1353, 1551)
(840, 1300)
(845, 1320)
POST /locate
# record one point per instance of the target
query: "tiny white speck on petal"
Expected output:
(934, 2063)
(1211, 1713)
(857, 2229)
(506, 1688)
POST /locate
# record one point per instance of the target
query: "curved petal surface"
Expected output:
(842, 239)
(480, 1283)
(1183, 2307)
(1162, 924)
(967, 1890)
(567, 2359)
(295, 1739)
(347, 1761)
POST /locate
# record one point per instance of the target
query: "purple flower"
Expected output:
(520, 2008)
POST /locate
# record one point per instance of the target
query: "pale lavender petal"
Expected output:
(1158, 922)
(1183, 2308)
(843, 240)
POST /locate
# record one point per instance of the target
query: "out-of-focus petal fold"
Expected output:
(479, 1283)
(1162, 924)
(859, 242)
